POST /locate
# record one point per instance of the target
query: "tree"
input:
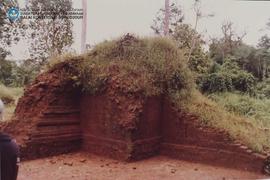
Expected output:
(198, 15)
(6, 72)
(176, 18)
(10, 33)
(229, 77)
(183, 35)
(263, 56)
(166, 18)
(248, 58)
(221, 48)
(185, 38)
(264, 42)
(25, 73)
(52, 36)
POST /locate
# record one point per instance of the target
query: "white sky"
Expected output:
(109, 19)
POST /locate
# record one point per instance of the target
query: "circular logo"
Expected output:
(13, 14)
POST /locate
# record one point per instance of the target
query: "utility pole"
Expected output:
(84, 26)
(167, 17)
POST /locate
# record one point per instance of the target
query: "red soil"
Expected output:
(80, 166)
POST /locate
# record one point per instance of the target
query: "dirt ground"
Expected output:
(81, 166)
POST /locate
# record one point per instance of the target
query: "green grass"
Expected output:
(6, 94)
(156, 64)
(150, 66)
(10, 96)
(257, 110)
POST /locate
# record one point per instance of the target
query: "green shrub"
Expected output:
(215, 68)
(263, 89)
(9, 95)
(228, 77)
(217, 82)
(6, 95)
(244, 82)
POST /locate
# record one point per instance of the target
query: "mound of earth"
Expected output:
(116, 101)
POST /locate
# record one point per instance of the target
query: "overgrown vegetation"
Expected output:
(10, 97)
(42, 43)
(228, 77)
(257, 110)
(155, 63)
(233, 74)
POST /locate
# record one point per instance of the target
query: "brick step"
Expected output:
(56, 122)
(55, 133)
(56, 138)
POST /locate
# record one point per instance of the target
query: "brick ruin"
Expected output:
(54, 117)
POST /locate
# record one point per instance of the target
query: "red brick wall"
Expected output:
(103, 132)
(186, 139)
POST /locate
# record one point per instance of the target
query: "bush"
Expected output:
(216, 82)
(6, 95)
(244, 82)
(9, 95)
(263, 89)
(228, 77)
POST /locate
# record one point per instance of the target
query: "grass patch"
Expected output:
(57, 59)
(9, 111)
(6, 95)
(255, 109)
(10, 97)
(149, 66)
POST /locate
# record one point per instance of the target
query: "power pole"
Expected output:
(84, 26)
(167, 17)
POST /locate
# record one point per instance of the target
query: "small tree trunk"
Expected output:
(167, 17)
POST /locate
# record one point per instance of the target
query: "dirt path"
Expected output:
(80, 166)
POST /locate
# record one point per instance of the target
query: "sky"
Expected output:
(108, 19)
